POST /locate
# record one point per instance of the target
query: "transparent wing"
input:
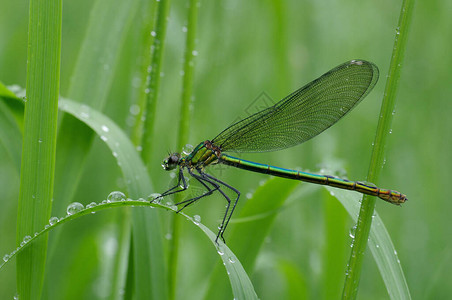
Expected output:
(303, 114)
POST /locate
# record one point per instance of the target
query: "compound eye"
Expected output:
(171, 162)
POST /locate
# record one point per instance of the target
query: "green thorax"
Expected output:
(203, 155)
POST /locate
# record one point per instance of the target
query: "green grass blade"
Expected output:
(149, 265)
(377, 160)
(39, 143)
(381, 246)
(154, 83)
(184, 126)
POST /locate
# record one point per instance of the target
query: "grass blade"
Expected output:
(384, 125)
(184, 126)
(381, 246)
(39, 143)
(154, 83)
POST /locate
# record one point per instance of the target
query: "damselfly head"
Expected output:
(171, 162)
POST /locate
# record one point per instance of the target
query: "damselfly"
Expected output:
(295, 119)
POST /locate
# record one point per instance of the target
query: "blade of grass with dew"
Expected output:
(184, 126)
(39, 142)
(147, 38)
(248, 236)
(378, 153)
(380, 245)
(149, 247)
(154, 82)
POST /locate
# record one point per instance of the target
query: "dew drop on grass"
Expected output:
(155, 197)
(91, 205)
(6, 257)
(352, 232)
(26, 239)
(74, 207)
(197, 219)
(116, 196)
(53, 220)
(231, 259)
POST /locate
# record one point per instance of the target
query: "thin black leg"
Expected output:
(183, 188)
(207, 193)
(225, 224)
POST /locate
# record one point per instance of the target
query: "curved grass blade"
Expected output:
(378, 152)
(148, 247)
(381, 246)
(241, 284)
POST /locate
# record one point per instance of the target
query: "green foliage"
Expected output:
(291, 238)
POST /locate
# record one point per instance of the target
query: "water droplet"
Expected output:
(114, 154)
(155, 197)
(197, 219)
(6, 257)
(173, 207)
(116, 196)
(139, 148)
(153, 33)
(103, 138)
(91, 205)
(187, 149)
(26, 239)
(105, 128)
(352, 232)
(53, 220)
(231, 259)
(249, 195)
(356, 62)
(390, 131)
(168, 236)
(195, 53)
(16, 297)
(184, 29)
(134, 109)
(220, 250)
(74, 207)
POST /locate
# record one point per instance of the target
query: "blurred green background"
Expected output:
(246, 49)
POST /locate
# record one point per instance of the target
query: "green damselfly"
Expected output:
(295, 119)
